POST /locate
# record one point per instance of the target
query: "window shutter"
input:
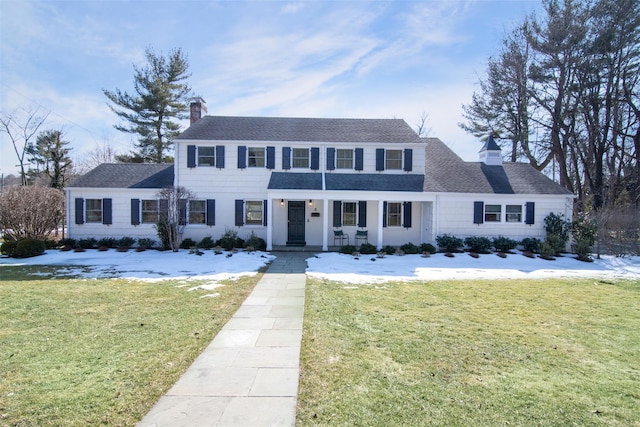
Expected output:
(362, 213)
(239, 213)
(337, 213)
(79, 211)
(406, 218)
(242, 156)
(164, 209)
(135, 211)
(379, 159)
(384, 214)
(359, 159)
(331, 158)
(211, 212)
(106, 211)
(271, 157)
(408, 160)
(182, 212)
(264, 213)
(191, 156)
(286, 157)
(530, 213)
(220, 156)
(478, 212)
(315, 158)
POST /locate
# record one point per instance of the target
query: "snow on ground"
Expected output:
(149, 265)
(154, 265)
(370, 269)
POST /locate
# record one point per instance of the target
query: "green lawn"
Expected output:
(100, 352)
(520, 353)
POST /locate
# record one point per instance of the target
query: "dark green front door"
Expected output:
(295, 229)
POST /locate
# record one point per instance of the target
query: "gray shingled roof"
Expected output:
(222, 128)
(345, 182)
(446, 172)
(127, 175)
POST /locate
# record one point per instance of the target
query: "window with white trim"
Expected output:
(150, 211)
(300, 158)
(206, 156)
(93, 210)
(393, 159)
(344, 159)
(514, 213)
(197, 211)
(256, 157)
(253, 212)
(349, 213)
(394, 214)
(492, 213)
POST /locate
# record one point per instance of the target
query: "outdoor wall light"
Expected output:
(310, 202)
(281, 202)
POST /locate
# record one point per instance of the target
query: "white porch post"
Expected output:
(325, 224)
(380, 222)
(270, 219)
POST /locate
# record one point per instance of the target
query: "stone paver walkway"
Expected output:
(248, 375)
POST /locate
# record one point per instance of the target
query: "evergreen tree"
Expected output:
(50, 156)
(160, 98)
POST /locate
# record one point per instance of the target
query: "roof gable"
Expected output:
(224, 128)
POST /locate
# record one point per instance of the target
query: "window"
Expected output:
(256, 157)
(253, 213)
(349, 213)
(150, 211)
(93, 210)
(394, 214)
(197, 211)
(393, 159)
(344, 159)
(300, 158)
(492, 213)
(514, 213)
(206, 156)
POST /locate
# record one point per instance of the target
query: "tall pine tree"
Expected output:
(50, 155)
(159, 100)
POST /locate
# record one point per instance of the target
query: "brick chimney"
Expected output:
(198, 109)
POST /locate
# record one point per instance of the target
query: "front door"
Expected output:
(295, 229)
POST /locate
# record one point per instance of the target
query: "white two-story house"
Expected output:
(298, 181)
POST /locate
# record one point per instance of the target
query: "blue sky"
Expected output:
(360, 59)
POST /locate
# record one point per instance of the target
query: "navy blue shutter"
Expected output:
(182, 212)
(530, 213)
(337, 213)
(315, 158)
(271, 157)
(406, 215)
(79, 211)
(211, 212)
(135, 211)
(331, 158)
(362, 213)
(239, 213)
(164, 209)
(107, 218)
(286, 157)
(384, 214)
(220, 156)
(242, 156)
(408, 160)
(359, 159)
(478, 212)
(191, 156)
(264, 213)
(379, 159)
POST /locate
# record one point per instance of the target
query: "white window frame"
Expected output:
(394, 219)
(515, 215)
(344, 158)
(93, 214)
(349, 219)
(491, 214)
(253, 212)
(148, 210)
(300, 158)
(256, 157)
(191, 212)
(208, 159)
(393, 163)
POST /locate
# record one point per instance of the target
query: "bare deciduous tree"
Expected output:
(173, 206)
(21, 131)
(30, 212)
